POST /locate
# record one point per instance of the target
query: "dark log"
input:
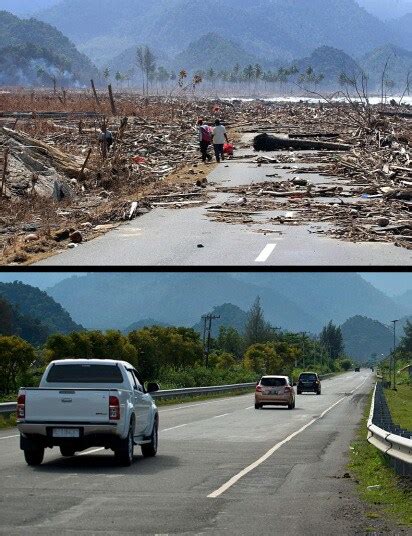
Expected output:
(265, 142)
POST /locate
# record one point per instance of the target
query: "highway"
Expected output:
(171, 237)
(222, 468)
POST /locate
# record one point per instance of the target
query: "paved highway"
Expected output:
(170, 237)
(222, 468)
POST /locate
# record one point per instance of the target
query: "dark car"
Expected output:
(357, 369)
(309, 382)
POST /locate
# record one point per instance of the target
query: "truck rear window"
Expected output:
(273, 382)
(84, 373)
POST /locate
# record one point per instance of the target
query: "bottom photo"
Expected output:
(189, 402)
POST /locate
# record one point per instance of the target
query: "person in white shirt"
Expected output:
(219, 138)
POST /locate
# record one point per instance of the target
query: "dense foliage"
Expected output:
(31, 301)
(28, 328)
(30, 45)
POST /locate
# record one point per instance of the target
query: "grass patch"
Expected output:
(400, 405)
(369, 467)
(8, 398)
(199, 398)
(7, 421)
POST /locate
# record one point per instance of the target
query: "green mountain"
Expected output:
(32, 302)
(399, 65)
(268, 29)
(230, 316)
(145, 323)
(364, 337)
(33, 52)
(328, 62)
(24, 326)
(213, 51)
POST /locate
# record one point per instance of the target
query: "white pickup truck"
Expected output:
(83, 403)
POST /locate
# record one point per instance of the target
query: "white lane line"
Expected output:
(185, 406)
(266, 253)
(90, 451)
(219, 416)
(173, 427)
(271, 451)
(250, 407)
(10, 436)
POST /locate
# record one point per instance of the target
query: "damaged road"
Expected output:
(232, 229)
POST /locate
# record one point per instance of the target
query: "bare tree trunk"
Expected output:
(96, 98)
(112, 103)
(4, 175)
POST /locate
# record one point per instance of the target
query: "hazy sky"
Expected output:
(388, 282)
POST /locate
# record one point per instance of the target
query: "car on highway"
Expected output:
(274, 391)
(83, 403)
(309, 382)
(357, 369)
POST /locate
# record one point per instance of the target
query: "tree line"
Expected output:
(175, 356)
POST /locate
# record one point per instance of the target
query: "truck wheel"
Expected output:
(34, 455)
(258, 406)
(124, 454)
(67, 452)
(150, 449)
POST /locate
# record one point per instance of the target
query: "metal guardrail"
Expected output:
(10, 407)
(388, 437)
(7, 408)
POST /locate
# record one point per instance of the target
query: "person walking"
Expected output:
(219, 138)
(205, 139)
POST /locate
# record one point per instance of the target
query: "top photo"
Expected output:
(274, 133)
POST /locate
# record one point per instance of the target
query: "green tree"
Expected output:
(406, 341)
(146, 60)
(229, 340)
(257, 329)
(331, 338)
(6, 318)
(16, 356)
(159, 347)
(91, 345)
(262, 359)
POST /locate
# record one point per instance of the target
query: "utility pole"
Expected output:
(207, 335)
(393, 354)
(303, 333)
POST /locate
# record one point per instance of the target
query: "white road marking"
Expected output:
(250, 407)
(90, 451)
(219, 416)
(271, 451)
(10, 436)
(266, 253)
(185, 406)
(173, 427)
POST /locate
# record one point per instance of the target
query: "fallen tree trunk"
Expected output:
(265, 142)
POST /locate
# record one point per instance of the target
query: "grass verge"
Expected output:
(400, 405)
(393, 498)
(8, 421)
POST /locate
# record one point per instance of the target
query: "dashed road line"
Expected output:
(266, 253)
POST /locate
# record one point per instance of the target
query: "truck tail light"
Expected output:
(258, 389)
(21, 406)
(114, 408)
(288, 389)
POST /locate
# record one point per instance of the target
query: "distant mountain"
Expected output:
(329, 62)
(32, 52)
(24, 326)
(387, 10)
(41, 280)
(329, 296)
(268, 29)
(145, 323)
(405, 300)
(31, 301)
(104, 300)
(399, 65)
(25, 7)
(213, 51)
(363, 337)
(294, 301)
(230, 316)
(403, 27)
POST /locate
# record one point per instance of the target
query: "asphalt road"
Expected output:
(170, 237)
(222, 468)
